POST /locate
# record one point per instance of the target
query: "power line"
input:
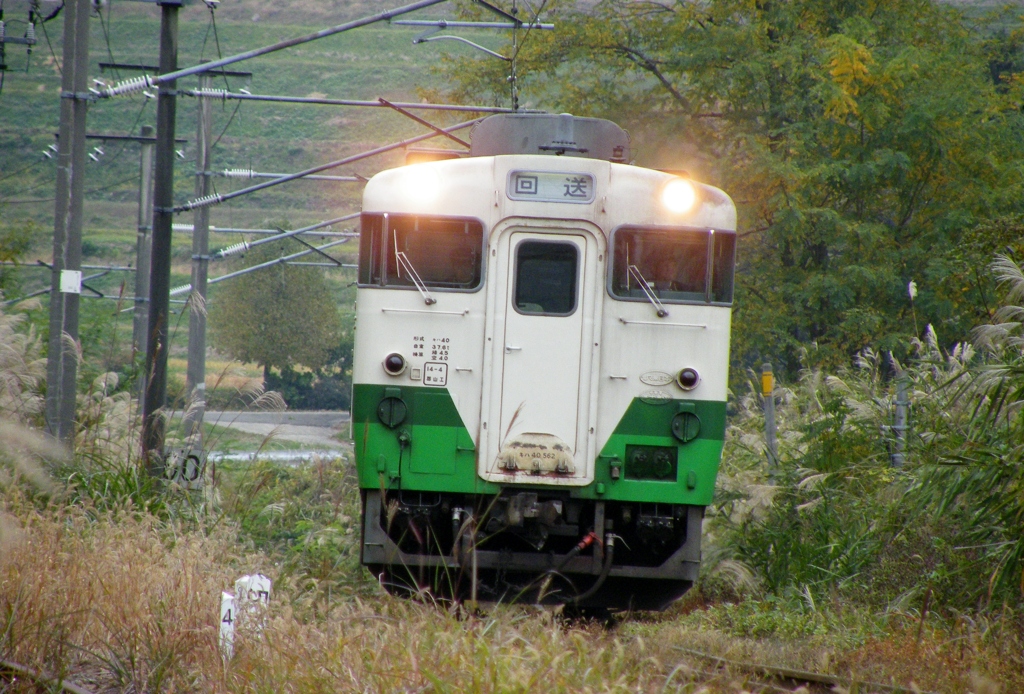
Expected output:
(245, 96)
(42, 24)
(216, 199)
(24, 168)
(106, 33)
(129, 138)
(146, 81)
(228, 124)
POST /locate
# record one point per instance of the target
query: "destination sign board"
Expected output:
(551, 186)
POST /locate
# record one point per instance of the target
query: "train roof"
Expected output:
(551, 134)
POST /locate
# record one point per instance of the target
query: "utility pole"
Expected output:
(140, 319)
(160, 258)
(66, 281)
(195, 383)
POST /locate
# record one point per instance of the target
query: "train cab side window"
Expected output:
(546, 278)
(675, 263)
(723, 268)
(445, 252)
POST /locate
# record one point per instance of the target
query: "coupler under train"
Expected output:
(542, 547)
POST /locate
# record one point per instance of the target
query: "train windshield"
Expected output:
(677, 265)
(402, 250)
(546, 278)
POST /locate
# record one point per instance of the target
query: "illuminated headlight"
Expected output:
(421, 183)
(678, 195)
(394, 364)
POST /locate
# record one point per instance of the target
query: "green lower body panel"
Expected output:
(428, 448)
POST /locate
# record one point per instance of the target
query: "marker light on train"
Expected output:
(420, 183)
(678, 195)
(394, 364)
(688, 378)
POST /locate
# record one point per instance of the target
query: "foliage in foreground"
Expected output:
(836, 518)
(848, 566)
(118, 600)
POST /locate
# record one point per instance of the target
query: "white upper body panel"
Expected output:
(629, 349)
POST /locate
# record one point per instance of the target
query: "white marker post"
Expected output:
(246, 610)
(228, 614)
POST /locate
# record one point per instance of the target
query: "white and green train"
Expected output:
(540, 370)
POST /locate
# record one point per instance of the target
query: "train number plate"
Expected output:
(435, 374)
(551, 186)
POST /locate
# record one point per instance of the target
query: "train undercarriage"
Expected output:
(523, 545)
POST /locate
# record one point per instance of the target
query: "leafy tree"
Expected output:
(862, 142)
(280, 317)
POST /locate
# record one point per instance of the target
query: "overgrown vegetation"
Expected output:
(832, 561)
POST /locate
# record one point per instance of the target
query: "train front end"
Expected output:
(540, 369)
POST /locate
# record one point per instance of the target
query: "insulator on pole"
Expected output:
(182, 227)
(235, 248)
(203, 202)
(238, 173)
(211, 92)
(30, 33)
(183, 289)
(135, 84)
(3, 30)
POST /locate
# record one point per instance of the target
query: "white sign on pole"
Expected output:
(71, 281)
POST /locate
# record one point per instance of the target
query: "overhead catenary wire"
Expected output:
(46, 35)
(128, 138)
(296, 232)
(147, 81)
(22, 170)
(242, 96)
(217, 198)
(106, 32)
(283, 260)
(188, 229)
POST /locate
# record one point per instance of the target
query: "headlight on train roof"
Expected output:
(420, 183)
(678, 195)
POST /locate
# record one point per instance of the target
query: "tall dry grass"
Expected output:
(119, 602)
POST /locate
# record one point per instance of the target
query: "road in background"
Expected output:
(318, 429)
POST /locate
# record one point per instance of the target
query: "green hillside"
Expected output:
(363, 64)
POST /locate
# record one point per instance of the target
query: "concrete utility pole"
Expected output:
(140, 319)
(160, 258)
(66, 281)
(195, 384)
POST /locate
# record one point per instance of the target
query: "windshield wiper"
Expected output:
(646, 287)
(403, 262)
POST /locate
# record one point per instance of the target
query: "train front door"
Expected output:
(549, 281)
